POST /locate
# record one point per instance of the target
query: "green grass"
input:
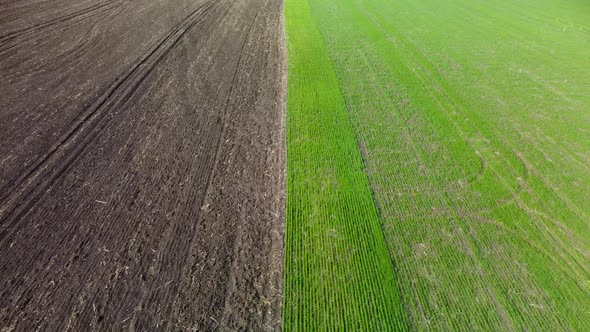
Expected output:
(438, 165)
(338, 270)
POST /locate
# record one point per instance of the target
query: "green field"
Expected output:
(438, 165)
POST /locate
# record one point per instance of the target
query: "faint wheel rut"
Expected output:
(23, 191)
(84, 14)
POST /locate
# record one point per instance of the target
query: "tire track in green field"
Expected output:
(338, 271)
(452, 116)
(429, 259)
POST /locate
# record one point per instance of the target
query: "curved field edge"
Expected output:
(338, 271)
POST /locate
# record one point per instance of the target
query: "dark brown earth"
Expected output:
(141, 165)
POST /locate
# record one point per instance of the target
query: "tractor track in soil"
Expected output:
(141, 170)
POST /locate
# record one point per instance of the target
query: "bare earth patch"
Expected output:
(141, 165)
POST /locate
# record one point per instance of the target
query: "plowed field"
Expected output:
(141, 164)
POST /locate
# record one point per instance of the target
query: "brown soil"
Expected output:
(141, 165)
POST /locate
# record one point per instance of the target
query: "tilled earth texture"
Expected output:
(141, 165)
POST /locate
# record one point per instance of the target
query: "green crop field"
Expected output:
(438, 165)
